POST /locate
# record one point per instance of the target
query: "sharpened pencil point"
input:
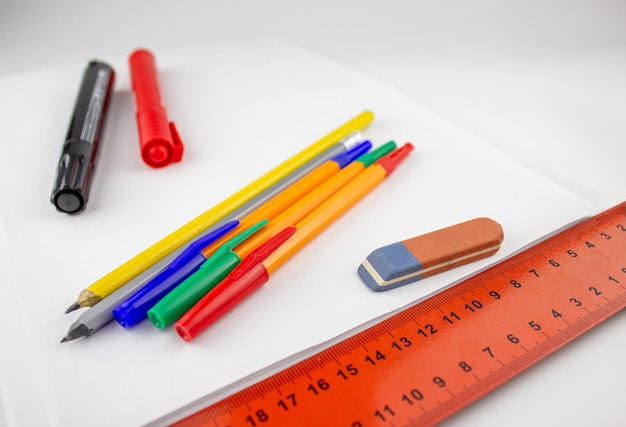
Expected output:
(72, 307)
(77, 330)
(86, 298)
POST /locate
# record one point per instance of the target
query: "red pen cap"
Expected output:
(247, 277)
(159, 140)
(219, 301)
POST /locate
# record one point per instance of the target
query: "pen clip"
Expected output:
(195, 247)
(228, 246)
(177, 147)
(264, 250)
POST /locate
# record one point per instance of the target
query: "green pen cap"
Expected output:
(191, 290)
(368, 158)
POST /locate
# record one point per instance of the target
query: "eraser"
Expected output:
(407, 261)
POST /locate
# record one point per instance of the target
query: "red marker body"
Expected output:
(158, 139)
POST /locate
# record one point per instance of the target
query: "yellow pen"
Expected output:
(140, 262)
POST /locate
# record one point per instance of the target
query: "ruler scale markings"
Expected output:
(428, 361)
(520, 364)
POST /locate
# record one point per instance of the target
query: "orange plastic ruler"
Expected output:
(430, 360)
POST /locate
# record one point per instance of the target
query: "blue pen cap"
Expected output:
(135, 308)
(194, 248)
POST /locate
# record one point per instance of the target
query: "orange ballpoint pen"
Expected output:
(315, 198)
(256, 268)
(212, 271)
(292, 194)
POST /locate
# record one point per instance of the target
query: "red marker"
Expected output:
(158, 138)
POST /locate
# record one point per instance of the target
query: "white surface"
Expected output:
(311, 299)
(541, 80)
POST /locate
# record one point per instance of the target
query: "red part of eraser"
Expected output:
(159, 140)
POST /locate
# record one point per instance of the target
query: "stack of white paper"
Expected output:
(241, 109)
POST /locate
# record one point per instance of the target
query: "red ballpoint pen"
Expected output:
(158, 139)
(248, 276)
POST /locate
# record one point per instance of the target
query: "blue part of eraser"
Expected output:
(385, 268)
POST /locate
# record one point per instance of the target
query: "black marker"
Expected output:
(80, 151)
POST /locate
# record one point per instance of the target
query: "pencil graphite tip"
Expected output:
(72, 307)
(77, 330)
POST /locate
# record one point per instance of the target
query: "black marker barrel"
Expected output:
(80, 150)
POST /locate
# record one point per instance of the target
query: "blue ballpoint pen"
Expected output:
(135, 308)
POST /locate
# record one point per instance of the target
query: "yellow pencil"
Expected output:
(140, 262)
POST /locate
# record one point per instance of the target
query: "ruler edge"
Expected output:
(276, 368)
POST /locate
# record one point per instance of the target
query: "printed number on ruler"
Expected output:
(432, 359)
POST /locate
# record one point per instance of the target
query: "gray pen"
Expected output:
(101, 314)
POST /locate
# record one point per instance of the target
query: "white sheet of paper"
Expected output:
(241, 109)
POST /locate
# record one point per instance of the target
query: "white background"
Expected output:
(543, 80)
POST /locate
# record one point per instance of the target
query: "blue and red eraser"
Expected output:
(407, 261)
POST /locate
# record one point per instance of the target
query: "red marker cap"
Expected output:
(159, 140)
